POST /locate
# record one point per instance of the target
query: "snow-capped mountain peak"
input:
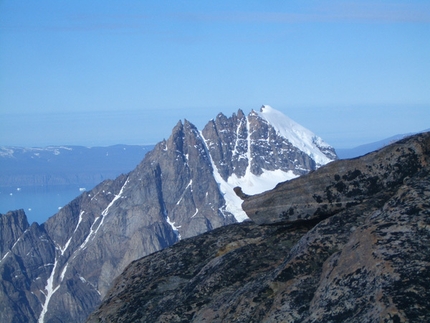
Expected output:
(296, 134)
(258, 151)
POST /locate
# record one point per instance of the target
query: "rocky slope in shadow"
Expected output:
(349, 242)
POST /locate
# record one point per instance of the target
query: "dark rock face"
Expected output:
(365, 260)
(18, 273)
(196, 278)
(60, 271)
(13, 224)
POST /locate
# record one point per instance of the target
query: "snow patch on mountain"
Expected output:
(252, 184)
(49, 291)
(174, 227)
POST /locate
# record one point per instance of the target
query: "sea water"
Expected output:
(38, 202)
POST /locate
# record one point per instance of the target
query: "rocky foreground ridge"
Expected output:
(349, 242)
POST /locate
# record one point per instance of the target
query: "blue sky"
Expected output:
(107, 72)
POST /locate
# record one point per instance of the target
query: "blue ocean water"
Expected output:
(38, 202)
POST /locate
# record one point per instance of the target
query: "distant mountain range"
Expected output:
(60, 270)
(367, 148)
(41, 180)
(66, 165)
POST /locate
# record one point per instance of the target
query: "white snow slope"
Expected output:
(299, 136)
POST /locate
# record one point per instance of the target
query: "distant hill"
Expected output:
(367, 148)
(66, 165)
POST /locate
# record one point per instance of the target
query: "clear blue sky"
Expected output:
(108, 72)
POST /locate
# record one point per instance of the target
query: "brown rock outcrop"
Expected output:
(341, 184)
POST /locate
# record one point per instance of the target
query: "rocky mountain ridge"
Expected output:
(348, 242)
(60, 270)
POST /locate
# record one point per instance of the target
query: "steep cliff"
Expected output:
(349, 242)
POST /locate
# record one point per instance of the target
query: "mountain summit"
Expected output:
(61, 270)
(259, 151)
